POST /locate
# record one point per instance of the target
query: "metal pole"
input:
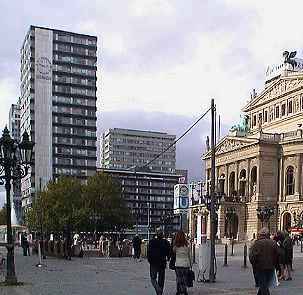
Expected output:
(301, 247)
(10, 278)
(232, 247)
(245, 256)
(225, 255)
(148, 222)
(219, 127)
(41, 216)
(212, 276)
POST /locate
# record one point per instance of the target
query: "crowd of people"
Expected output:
(271, 259)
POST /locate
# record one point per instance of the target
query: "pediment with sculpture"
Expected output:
(230, 143)
(279, 88)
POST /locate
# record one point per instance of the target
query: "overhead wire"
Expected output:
(172, 144)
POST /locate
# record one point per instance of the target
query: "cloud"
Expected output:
(162, 56)
(8, 95)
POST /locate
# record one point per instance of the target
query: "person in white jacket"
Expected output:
(183, 262)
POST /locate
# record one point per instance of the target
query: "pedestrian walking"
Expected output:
(137, 246)
(67, 241)
(279, 239)
(25, 244)
(264, 257)
(157, 255)
(183, 262)
(288, 246)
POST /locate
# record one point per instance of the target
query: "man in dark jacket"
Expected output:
(157, 255)
(264, 258)
(137, 246)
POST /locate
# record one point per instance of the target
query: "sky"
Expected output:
(162, 60)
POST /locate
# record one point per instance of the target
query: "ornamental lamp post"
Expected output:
(264, 214)
(15, 161)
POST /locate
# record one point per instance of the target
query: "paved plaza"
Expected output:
(123, 276)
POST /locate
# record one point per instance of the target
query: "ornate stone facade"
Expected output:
(262, 167)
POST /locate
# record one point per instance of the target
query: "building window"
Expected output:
(277, 112)
(253, 177)
(221, 183)
(283, 110)
(232, 180)
(290, 107)
(265, 116)
(242, 183)
(290, 181)
(260, 119)
(254, 120)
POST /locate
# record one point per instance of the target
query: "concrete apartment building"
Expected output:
(126, 148)
(14, 128)
(58, 105)
(150, 198)
(14, 121)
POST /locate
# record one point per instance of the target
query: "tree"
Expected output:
(60, 204)
(105, 205)
(3, 215)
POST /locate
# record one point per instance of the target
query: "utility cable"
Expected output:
(180, 137)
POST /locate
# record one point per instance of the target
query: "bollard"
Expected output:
(232, 248)
(245, 256)
(225, 256)
(39, 256)
(301, 247)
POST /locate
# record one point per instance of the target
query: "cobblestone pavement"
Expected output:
(123, 276)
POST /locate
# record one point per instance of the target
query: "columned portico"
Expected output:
(260, 159)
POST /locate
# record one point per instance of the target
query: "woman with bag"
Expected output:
(183, 262)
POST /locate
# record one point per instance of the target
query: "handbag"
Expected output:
(190, 278)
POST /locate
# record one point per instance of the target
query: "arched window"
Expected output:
(290, 181)
(232, 180)
(221, 183)
(253, 177)
(242, 182)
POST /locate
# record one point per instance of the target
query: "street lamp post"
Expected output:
(164, 220)
(136, 216)
(264, 214)
(15, 160)
(212, 197)
(230, 214)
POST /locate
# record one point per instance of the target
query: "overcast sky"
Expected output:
(162, 56)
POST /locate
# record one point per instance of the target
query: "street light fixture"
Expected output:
(165, 219)
(15, 161)
(264, 214)
(230, 215)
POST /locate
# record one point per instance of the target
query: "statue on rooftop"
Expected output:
(243, 126)
(207, 143)
(289, 58)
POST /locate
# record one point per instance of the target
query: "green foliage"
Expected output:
(96, 205)
(105, 205)
(3, 215)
